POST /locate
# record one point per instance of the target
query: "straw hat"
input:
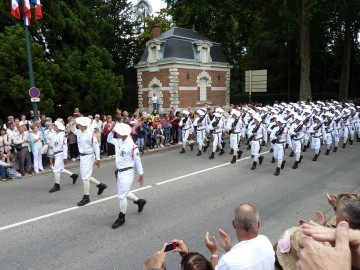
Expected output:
(288, 246)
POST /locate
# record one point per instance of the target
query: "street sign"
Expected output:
(34, 92)
(35, 99)
(256, 81)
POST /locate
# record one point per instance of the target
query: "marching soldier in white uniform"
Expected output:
(256, 134)
(278, 138)
(316, 134)
(89, 152)
(346, 126)
(186, 124)
(127, 156)
(60, 155)
(234, 127)
(329, 131)
(337, 132)
(199, 125)
(297, 135)
(216, 127)
(307, 123)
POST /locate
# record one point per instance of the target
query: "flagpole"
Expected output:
(28, 48)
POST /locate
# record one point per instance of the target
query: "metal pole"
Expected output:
(250, 87)
(28, 48)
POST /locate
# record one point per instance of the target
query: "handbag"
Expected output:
(44, 149)
(18, 147)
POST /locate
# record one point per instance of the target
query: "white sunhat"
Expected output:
(59, 125)
(83, 121)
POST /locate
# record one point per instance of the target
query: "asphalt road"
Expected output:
(187, 196)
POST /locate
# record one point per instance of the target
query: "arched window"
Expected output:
(203, 84)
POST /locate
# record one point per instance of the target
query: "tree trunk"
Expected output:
(305, 87)
(345, 72)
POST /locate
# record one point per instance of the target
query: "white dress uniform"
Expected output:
(186, 124)
(297, 134)
(89, 152)
(60, 154)
(338, 130)
(127, 156)
(216, 127)
(316, 133)
(256, 140)
(346, 126)
(278, 137)
(199, 124)
(329, 132)
(234, 127)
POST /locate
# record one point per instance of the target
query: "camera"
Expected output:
(170, 246)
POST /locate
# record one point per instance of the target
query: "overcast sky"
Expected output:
(156, 4)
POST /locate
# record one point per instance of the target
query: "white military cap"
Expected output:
(318, 117)
(299, 117)
(346, 111)
(200, 112)
(122, 129)
(236, 112)
(329, 114)
(325, 108)
(83, 121)
(219, 110)
(352, 108)
(59, 125)
(186, 112)
(216, 114)
(257, 118)
(307, 111)
(281, 120)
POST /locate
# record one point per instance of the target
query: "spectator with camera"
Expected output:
(5, 163)
(158, 135)
(5, 143)
(189, 261)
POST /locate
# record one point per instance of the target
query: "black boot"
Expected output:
(182, 151)
(233, 159)
(199, 153)
(261, 158)
(223, 144)
(249, 147)
(358, 138)
(273, 160)
(85, 200)
(120, 221)
(74, 176)
(308, 145)
(301, 157)
(140, 203)
(55, 188)
(344, 145)
(253, 167)
(205, 147)
(239, 153)
(101, 188)
(271, 150)
(207, 143)
(335, 149)
(315, 158)
(286, 146)
(231, 151)
(191, 146)
(351, 142)
(291, 154)
(221, 152)
(304, 148)
(212, 155)
(277, 171)
(327, 152)
(217, 149)
(295, 165)
(283, 164)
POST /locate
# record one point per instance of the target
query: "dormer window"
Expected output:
(203, 51)
(153, 51)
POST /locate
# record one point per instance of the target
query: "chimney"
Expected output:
(156, 31)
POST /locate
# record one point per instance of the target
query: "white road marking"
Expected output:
(115, 196)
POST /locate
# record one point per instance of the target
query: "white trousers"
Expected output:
(296, 147)
(86, 167)
(124, 182)
(234, 142)
(255, 147)
(217, 141)
(279, 149)
(58, 163)
(37, 157)
(315, 144)
(185, 135)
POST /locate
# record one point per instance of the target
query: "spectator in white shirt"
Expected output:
(154, 99)
(252, 252)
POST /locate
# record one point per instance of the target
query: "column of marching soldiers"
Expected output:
(297, 126)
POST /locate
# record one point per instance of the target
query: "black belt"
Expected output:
(297, 139)
(281, 142)
(258, 139)
(317, 137)
(58, 152)
(85, 154)
(121, 170)
(235, 132)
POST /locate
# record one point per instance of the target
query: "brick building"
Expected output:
(183, 68)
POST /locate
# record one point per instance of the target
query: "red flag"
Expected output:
(15, 10)
(38, 10)
(27, 10)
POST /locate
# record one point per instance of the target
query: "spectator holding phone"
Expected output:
(189, 261)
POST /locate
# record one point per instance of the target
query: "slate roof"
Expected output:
(178, 43)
